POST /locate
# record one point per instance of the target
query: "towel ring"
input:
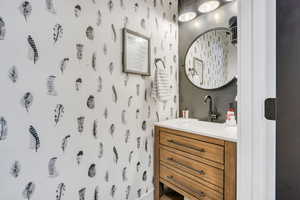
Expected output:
(159, 60)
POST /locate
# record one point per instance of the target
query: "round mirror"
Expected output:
(211, 60)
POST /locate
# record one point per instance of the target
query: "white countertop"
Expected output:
(210, 129)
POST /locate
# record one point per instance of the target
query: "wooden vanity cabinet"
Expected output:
(196, 166)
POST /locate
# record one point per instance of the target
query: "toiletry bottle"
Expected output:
(230, 116)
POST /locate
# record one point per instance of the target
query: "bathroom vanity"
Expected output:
(196, 159)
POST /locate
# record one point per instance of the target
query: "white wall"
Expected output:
(34, 77)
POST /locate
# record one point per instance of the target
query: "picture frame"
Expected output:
(136, 53)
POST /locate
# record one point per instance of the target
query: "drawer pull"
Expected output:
(187, 146)
(199, 193)
(186, 166)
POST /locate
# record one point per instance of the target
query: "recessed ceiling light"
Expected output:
(228, 0)
(188, 16)
(208, 6)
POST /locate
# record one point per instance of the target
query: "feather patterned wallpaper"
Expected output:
(72, 125)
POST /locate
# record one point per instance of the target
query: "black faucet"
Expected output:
(212, 115)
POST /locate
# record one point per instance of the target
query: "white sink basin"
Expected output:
(210, 129)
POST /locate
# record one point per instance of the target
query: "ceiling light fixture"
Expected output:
(209, 6)
(187, 16)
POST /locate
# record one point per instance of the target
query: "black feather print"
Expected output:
(164, 15)
(58, 113)
(137, 113)
(57, 32)
(105, 50)
(106, 177)
(127, 192)
(110, 5)
(92, 171)
(65, 142)
(149, 160)
(112, 129)
(105, 113)
(79, 157)
(136, 7)
(50, 6)
(13, 73)
(148, 13)
(138, 142)
(138, 166)
(111, 67)
(63, 64)
(127, 136)
(154, 3)
(149, 112)
(51, 85)
(28, 191)
(122, 3)
(35, 140)
(113, 190)
(94, 61)
(125, 21)
(115, 155)
(61, 188)
(90, 102)
(78, 83)
(114, 94)
(2, 29)
(90, 33)
(124, 117)
(33, 52)
(77, 10)
(130, 157)
(146, 95)
(100, 84)
(124, 174)
(138, 89)
(139, 193)
(79, 51)
(129, 101)
(146, 145)
(3, 128)
(101, 150)
(15, 169)
(26, 9)
(81, 194)
(143, 23)
(80, 124)
(95, 129)
(99, 18)
(96, 193)
(126, 79)
(157, 116)
(114, 32)
(156, 23)
(144, 176)
(144, 126)
(52, 168)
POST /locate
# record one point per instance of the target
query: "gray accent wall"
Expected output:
(192, 97)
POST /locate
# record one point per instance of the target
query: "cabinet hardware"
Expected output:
(199, 193)
(186, 146)
(186, 166)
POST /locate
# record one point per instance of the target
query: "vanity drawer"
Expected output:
(187, 185)
(196, 147)
(205, 172)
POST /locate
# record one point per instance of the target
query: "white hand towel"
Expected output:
(161, 84)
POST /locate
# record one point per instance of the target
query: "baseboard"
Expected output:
(148, 196)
